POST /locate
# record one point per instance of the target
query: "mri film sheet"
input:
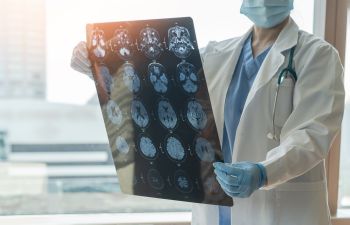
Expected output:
(156, 108)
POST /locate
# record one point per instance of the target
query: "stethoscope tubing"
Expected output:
(289, 70)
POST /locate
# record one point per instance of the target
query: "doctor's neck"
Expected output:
(264, 37)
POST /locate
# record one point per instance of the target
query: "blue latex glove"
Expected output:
(240, 179)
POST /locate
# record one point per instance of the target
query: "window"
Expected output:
(57, 157)
(3, 146)
(336, 19)
(344, 181)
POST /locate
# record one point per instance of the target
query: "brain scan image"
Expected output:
(150, 43)
(204, 150)
(175, 149)
(196, 115)
(131, 78)
(155, 180)
(180, 41)
(183, 182)
(188, 78)
(139, 113)
(147, 147)
(166, 114)
(122, 44)
(158, 77)
(114, 113)
(98, 44)
(107, 78)
(121, 145)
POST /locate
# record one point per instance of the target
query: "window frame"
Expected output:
(161, 218)
(330, 21)
(334, 31)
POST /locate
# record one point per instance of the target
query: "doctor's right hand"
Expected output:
(80, 59)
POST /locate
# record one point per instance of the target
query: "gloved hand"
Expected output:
(240, 179)
(80, 59)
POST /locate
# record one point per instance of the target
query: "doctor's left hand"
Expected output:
(240, 179)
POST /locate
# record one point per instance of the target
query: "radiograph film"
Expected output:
(156, 108)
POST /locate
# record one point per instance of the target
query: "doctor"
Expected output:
(277, 94)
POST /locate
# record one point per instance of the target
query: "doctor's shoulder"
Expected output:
(313, 51)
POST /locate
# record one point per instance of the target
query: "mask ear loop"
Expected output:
(283, 74)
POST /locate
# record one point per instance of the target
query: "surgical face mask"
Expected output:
(266, 13)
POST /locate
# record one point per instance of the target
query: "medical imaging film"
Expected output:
(156, 108)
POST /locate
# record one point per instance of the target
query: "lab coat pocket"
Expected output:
(307, 200)
(284, 102)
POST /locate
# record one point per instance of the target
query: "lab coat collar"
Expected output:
(288, 37)
(275, 59)
(222, 61)
(271, 65)
(226, 55)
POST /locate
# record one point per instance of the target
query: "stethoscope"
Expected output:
(288, 71)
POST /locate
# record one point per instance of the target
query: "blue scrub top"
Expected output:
(243, 77)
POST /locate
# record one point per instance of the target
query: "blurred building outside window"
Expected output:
(54, 153)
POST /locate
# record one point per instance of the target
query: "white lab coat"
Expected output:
(308, 118)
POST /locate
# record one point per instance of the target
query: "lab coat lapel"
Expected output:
(270, 67)
(219, 71)
(275, 59)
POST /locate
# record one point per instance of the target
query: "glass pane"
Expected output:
(54, 156)
(303, 14)
(344, 182)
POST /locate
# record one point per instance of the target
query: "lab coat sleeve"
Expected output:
(318, 106)
(202, 52)
(207, 49)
